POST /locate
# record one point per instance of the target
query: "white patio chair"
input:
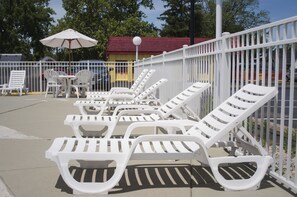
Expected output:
(82, 82)
(191, 145)
(127, 114)
(53, 82)
(136, 90)
(16, 82)
(114, 100)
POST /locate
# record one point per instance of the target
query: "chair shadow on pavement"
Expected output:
(138, 177)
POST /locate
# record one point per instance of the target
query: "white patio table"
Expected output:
(68, 79)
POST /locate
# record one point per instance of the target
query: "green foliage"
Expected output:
(177, 18)
(262, 136)
(237, 16)
(100, 19)
(22, 24)
(293, 140)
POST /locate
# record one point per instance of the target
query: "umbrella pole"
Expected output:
(69, 57)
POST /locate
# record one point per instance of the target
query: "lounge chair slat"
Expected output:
(157, 146)
(92, 146)
(103, 146)
(239, 103)
(147, 147)
(231, 110)
(192, 146)
(168, 147)
(114, 146)
(202, 130)
(213, 122)
(80, 146)
(180, 147)
(69, 145)
(248, 97)
(222, 116)
(125, 145)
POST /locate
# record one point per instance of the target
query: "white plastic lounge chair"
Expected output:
(53, 82)
(16, 82)
(82, 81)
(136, 113)
(114, 100)
(132, 88)
(191, 145)
(118, 90)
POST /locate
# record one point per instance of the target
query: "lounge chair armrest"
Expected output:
(130, 107)
(121, 96)
(162, 123)
(121, 91)
(139, 112)
(118, 88)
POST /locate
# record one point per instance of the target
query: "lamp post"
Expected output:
(136, 42)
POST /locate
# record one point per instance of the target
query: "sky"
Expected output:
(278, 9)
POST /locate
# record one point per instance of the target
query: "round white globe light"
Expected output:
(136, 40)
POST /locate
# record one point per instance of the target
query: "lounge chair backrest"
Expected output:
(17, 78)
(138, 80)
(231, 113)
(144, 81)
(182, 98)
(83, 77)
(150, 90)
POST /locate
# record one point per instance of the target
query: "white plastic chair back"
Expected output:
(182, 98)
(17, 79)
(150, 90)
(138, 80)
(83, 77)
(51, 76)
(144, 81)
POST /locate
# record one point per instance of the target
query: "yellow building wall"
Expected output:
(126, 57)
(123, 76)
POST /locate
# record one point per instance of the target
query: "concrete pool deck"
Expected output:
(28, 125)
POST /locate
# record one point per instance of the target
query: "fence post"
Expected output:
(40, 76)
(163, 62)
(224, 71)
(184, 69)
(151, 60)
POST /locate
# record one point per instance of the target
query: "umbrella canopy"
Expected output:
(70, 39)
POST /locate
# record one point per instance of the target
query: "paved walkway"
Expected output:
(28, 124)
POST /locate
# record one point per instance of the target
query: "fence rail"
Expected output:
(105, 74)
(264, 55)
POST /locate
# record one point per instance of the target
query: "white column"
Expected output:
(219, 5)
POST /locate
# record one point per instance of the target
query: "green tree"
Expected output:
(237, 16)
(22, 24)
(101, 19)
(177, 18)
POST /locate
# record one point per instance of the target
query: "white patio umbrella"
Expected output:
(70, 39)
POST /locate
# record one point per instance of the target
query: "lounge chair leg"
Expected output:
(263, 162)
(92, 187)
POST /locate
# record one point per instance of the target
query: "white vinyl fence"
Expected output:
(105, 74)
(264, 55)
